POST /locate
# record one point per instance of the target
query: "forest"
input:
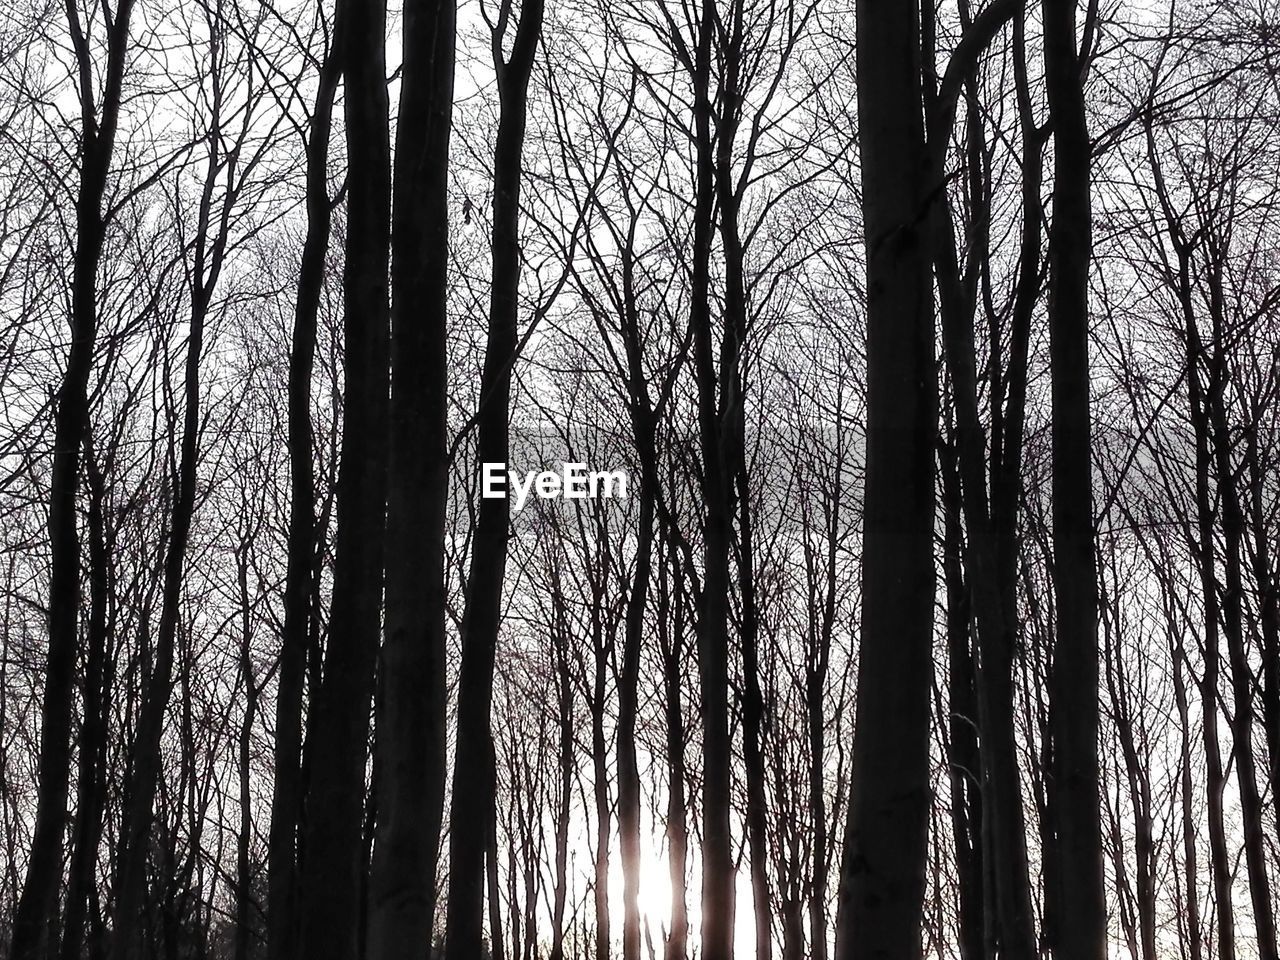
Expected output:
(887, 399)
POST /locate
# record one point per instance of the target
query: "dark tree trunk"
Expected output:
(482, 617)
(1141, 933)
(1241, 673)
(244, 835)
(989, 583)
(35, 916)
(332, 881)
(753, 718)
(496, 950)
(1204, 551)
(1080, 902)
(91, 785)
(629, 681)
(1268, 611)
(965, 763)
(1215, 778)
(564, 791)
(732, 451)
(816, 669)
(713, 609)
(671, 634)
(883, 873)
(410, 752)
(643, 429)
(1188, 818)
(286, 801)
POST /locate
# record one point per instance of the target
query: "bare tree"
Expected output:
(882, 872)
(36, 913)
(332, 875)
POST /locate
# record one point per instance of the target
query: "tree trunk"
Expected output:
(1242, 678)
(491, 860)
(1204, 552)
(1079, 897)
(244, 741)
(817, 666)
(1138, 785)
(670, 601)
(286, 801)
(482, 618)
(334, 867)
(965, 763)
(713, 613)
(989, 582)
(1190, 863)
(642, 426)
(883, 872)
(564, 794)
(410, 752)
(91, 785)
(36, 914)
(1268, 612)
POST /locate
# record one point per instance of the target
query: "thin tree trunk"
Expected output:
(286, 801)
(1241, 674)
(817, 665)
(244, 836)
(496, 950)
(965, 764)
(987, 580)
(564, 768)
(753, 720)
(732, 442)
(642, 426)
(482, 616)
(1268, 613)
(1204, 550)
(91, 785)
(36, 914)
(672, 637)
(1138, 786)
(1215, 778)
(713, 614)
(596, 703)
(1186, 806)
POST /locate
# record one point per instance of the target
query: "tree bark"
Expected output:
(410, 751)
(990, 573)
(98, 682)
(883, 871)
(1079, 896)
(713, 608)
(1268, 612)
(288, 788)
(671, 622)
(642, 427)
(564, 787)
(965, 762)
(332, 884)
(482, 616)
(36, 914)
